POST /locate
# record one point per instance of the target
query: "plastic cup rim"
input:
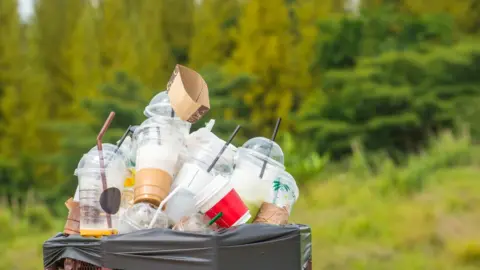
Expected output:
(262, 157)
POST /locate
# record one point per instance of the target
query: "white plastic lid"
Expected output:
(159, 106)
(265, 148)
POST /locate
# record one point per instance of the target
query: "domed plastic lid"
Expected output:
(265, 147)
(159, 105)
(91, 160)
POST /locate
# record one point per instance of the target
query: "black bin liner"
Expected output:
(251, 246)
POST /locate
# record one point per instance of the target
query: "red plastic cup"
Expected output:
(220, 196)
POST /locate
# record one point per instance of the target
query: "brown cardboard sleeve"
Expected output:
(271, 214)
(72, 226)
(188, 94)
(151, 186)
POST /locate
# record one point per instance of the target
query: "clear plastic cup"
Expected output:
(284, 191)
(249, 162)
(93, 219)
(255, 153)
(180, 205)
(204, 156)
(158, 145)
(139, 216)
(204, 138)
(220, 197)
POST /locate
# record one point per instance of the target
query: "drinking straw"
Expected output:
(215, 218)
(274, 135)
(102, 162)
(162, 204)
(224, 148)
(124, 136)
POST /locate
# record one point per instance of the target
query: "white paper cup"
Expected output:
(192, 177)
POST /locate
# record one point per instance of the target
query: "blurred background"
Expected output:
(380, 101)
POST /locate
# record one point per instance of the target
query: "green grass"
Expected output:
(373, 215)
(356, 228)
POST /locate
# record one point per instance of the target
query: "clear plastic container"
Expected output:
(195, 223)
(245, 178)
(93, 219)
(157, 144)
(160, 106)
(284, 191)
(139, 216)
(204, 138)
(180, 205)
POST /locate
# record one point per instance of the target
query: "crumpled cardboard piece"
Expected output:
(188, 94)
(271, 214)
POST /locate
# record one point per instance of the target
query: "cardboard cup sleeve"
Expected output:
(72, 226)
(151, 186)
(272, 214)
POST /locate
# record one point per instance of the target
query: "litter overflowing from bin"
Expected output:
(161, 175)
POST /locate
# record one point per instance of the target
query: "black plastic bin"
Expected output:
(251, 246)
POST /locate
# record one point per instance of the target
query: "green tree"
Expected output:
(394, 101)
(53, 39)
(212, 41)
(264, 50)
(117, 38)
(121, 95)
(155, 64)
(178, 27)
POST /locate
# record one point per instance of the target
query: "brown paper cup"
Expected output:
(272, 214)
(72, 226)
(151, 186)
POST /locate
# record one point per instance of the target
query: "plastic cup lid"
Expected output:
(159, 106)
(265, 147)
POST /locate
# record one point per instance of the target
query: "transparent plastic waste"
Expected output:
(284, 191)
(93, 218)
(194, 223)
(180, 205)
(203, 146)
(250, 160)
(139, 216)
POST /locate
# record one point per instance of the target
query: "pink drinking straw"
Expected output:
(102, 162)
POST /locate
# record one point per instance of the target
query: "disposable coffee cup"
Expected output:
(284, 191)
(93, 213)
(157, 149)
(193, 178)
(220, 196)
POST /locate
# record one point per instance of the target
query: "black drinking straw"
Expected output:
(124, 136)
(224, 148)
(275, 131)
